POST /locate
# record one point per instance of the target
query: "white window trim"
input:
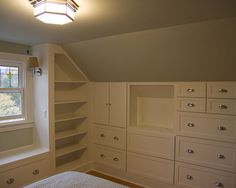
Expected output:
(27, 101)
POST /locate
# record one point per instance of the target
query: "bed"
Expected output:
(72, 179)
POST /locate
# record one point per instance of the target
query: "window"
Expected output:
(11, 91)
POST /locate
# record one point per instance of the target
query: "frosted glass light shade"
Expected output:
(54, 12)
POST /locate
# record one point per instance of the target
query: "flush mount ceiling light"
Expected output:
(55, 11)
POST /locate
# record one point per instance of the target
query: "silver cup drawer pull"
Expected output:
(10, 181)
(190, 125)
(223, 90)
(190, 90)
(221, 128)
(115, 159)
(190, 104)
(220, 156)
(219, 184)
(35, 172)
(189, 151)
(189, 177)
(223, 106)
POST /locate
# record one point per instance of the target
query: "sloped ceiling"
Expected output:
(204, 51)
(100, 18)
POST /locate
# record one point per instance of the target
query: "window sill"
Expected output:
(15, 125)
(16, 155)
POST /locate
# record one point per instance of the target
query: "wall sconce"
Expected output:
(34, 64)
(55, 11)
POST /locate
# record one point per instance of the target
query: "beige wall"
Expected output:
(190, 52)
(14, 48)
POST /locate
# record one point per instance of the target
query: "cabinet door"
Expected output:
(101, 103)
(118, 104)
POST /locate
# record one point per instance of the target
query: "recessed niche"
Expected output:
(152, 106)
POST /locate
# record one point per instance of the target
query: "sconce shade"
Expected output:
(33, 62)
(54, 11)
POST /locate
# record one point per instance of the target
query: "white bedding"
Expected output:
(73, 179)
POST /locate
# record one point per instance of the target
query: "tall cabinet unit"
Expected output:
(150, 136)
(71, 114)
(109, 117)
(206, 141)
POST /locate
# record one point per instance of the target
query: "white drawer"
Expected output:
(25, 174)
(191, 90)
(161, 145)
(225, 90)
(150, 167)
(111, 157)
(190, 176)
(202, 125)
(108, 136)
(213, 154)
(219, 106)
(191, 105)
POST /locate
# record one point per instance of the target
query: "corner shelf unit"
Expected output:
(71, 114)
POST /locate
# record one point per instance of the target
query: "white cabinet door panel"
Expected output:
(118, 104)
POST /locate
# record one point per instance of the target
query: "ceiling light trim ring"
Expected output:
(55, 13)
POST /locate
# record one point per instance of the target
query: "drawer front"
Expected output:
(114, 137)
(218, 106)
(13, 178)
(200, 177)
(222, 127)
(221, 90)
(38, 170)
(25, 174)
(191, 90)
(191, 105)
(111, 157)
(207, 153)
(150, 167)
(158, 146)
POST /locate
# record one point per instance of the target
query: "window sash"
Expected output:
(20, 90)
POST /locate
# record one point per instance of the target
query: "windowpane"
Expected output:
(9, 77)
(10, 104)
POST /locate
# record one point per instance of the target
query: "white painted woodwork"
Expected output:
(151, 167)
(221, 106)
(71, 112)
(110, 157)
(215, 154)
(191, 104)
(25, 174)
(110, 136)
(207, 126)
(147, 143)
(101, 103)
(221, 90)
(189, 176)
(191, 90)
(151, 105)
(110, 104)
(117, 104)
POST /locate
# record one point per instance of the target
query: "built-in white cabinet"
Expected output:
(150, 133)
(25, 171)
(110, 104)
(206, 145)
(109, 130)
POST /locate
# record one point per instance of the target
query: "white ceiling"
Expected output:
(99, 18)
